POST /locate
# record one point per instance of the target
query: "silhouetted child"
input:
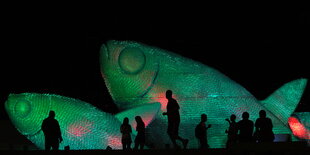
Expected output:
(201, 132)
(174, 120)
(232, 131)
(126, 134)
(263, 126)
(140, 138)
(52, 133)
(245, 127)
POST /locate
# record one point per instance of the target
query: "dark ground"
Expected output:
(277, 148)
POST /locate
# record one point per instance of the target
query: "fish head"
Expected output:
(26, 112)
(129, 70)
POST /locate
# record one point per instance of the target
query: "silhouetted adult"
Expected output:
(263, 128)
(140, 138)
(126, 134)
(232, 131)
(52, 133)
(174, 120)
(245, 127)
(201, 132)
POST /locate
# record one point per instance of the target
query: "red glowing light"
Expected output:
(161, 98)
(114, 141)
(298, 129)
(79, 129)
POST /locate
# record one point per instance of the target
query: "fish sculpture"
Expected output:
(137, 74)
(82, 125)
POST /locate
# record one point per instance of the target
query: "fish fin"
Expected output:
(147, 113)
(284, 100)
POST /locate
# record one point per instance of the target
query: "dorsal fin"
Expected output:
(284, 100)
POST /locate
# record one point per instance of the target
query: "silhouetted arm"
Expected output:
(228, 121)
(121, 129)
(59, 132)
(43, 126)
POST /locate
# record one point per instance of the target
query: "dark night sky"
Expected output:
(52, 52)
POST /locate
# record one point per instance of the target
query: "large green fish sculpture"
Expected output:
(137, 74)
(83, 126)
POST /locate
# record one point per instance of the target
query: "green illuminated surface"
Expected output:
(198, 89)
(82, 125)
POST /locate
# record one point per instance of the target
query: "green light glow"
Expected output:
(198, 89)
(22, 108)
(82, 125)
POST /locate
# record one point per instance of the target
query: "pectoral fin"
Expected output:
(147, 113)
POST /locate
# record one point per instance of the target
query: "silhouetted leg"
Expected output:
(128, 146)
(172, 137)
(55, 146)
(184, 141)
(203, 143)
(141, 146)
(124, 146)
(47, 146)
(136, 146)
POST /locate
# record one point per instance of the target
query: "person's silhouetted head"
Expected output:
(168, 94)
(245, 115)
(126, 120)
(232, 117)
(138, 119)
(51, 114)
(203, 117)
(262, 114)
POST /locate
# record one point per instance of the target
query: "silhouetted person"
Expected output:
(140, 138)
(52, 133)
(174, 120)
(245, 127)
(126, 134)
(232, 131)
(263, 126)
(201, 132)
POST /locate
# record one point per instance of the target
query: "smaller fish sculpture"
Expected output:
(83, 126)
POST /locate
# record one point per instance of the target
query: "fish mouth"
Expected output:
(155, 77)
(33, 133)
(105, 50)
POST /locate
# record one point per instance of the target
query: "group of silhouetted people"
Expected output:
(238, 132)
(173, 126)
(126, 134)
(243, 131)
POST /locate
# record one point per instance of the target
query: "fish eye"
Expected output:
(22, 108)
(132, 60)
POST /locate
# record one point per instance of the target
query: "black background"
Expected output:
(55, 50)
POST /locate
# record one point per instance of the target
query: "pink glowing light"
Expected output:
(161, 98)
(114, 141)
(79, 129)
(298, 129)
